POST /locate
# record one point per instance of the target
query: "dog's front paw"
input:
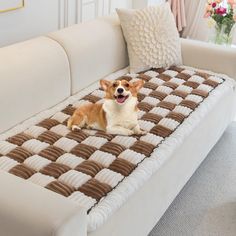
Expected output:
(75, 127)
(140, 132)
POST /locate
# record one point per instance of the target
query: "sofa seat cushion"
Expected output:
(100, 171)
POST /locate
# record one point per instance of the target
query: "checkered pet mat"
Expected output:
(87, 165)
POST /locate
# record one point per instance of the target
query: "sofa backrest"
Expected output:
(39, 73)
(95, 49)
(34, 75)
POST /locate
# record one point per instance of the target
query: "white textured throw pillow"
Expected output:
(152, 37)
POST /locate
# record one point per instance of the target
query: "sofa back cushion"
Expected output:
(34, 75)
(95, 49)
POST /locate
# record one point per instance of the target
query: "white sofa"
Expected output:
(40, 73)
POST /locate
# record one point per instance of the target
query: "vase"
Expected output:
(223, 34)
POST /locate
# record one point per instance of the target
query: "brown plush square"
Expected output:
(83, 150)
(48, 123)
(22, 171)
(60, 188)
(95, 189)
(55, 169)
(52, 153)
(113, 148)
(143, 147)
(19, 154)
(89, 167)
(49, 137)
(19, 139)
(122, 166)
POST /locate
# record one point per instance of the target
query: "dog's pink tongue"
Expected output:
(120, 99)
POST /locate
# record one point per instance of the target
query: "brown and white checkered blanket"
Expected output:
(86, 166)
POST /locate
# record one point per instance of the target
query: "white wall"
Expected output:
(144, 3)
(39, 17)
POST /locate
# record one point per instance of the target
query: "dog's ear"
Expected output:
(105, 84)
(138, 84)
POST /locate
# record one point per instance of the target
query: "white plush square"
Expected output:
(152, 37)
(151, 73)
(60, 117)
(177, 81)
(82, 200)
(151, 138)
(146, 125)
(103, 158)
(41, 179)
(74, 178)
(194, 98)
(35, 146)
(133, 75)
(96, 142)
(131, 156)
(184, 88)
(70, 160)
(7, 163)
(189, 72)
(197, 79)
(65, 144)
(99, 93)
(183, 110)
(160, 111)
(171, 73)
(140, 114)
(6, 147)
(90, 131)
(124, 140)
(145, 91)
(173, 99)
(157, 81)
(36, 162)
(35, 131)
(169, 123)
(134, 80)
(60, 129)
(109, 177)
(151, 100)
(205, 87)
(216, 79)
(164, 89)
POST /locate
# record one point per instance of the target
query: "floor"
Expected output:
(207, 204)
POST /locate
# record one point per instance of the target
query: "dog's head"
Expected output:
(121, 90)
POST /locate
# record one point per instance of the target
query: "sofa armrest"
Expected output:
(209, 56)
(27, 209)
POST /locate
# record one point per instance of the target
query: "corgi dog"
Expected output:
(118, 113)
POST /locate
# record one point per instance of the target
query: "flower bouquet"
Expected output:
(222, 16)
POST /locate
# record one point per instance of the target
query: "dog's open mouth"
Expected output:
(121, 98)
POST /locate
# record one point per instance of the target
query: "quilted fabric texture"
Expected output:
(152, 37)
(87, 165)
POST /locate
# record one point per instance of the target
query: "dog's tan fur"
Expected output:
(88, 116)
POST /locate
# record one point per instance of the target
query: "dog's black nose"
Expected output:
(120, 90)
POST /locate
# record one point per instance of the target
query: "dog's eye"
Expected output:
(114, 85)
(127, 85)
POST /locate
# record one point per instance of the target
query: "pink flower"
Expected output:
(221, 11)
(213, 4)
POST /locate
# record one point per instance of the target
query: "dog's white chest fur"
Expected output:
(121, 115)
